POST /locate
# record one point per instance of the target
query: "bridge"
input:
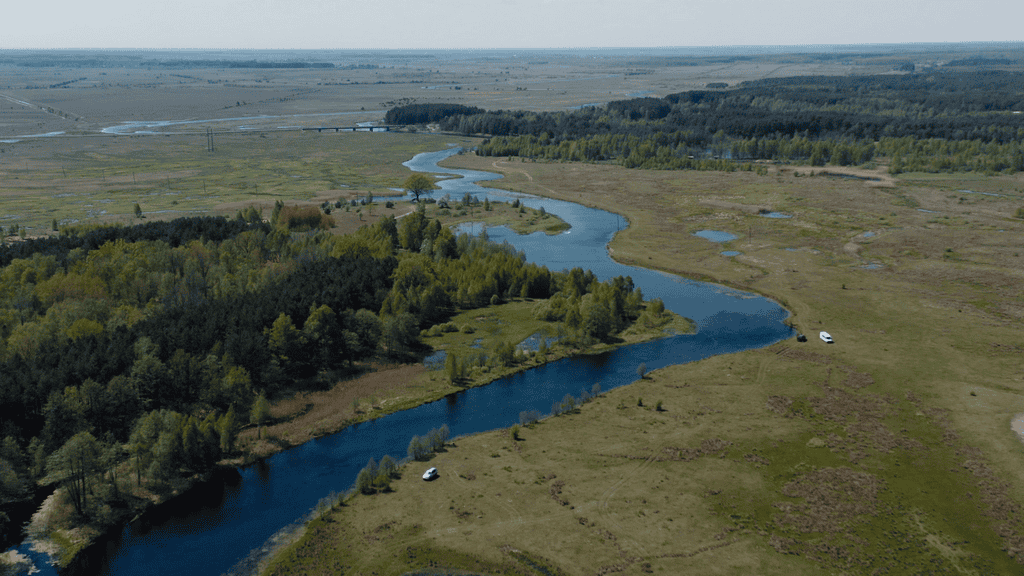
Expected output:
(385, 128)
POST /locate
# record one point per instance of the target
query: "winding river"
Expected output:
(221, 526)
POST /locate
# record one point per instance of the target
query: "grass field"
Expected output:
(887, 452)
(101, 179)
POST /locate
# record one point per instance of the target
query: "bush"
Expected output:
(528, 417)
(299, 218)
(388, 466)
(420, 447)
(514, 432)
(417, 448)
(566, 404)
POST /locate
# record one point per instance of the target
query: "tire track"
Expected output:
(602, 505)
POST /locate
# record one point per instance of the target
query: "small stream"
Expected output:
(220, 526)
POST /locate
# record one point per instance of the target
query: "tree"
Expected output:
(78, 459)
(138, 210)
(365, 478)
(418, 448)
(228, 429)
(260, 413)
(418, 184)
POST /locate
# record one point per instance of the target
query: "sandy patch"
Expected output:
(1017, 424)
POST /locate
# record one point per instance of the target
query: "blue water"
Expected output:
(775, 215)
(731, 253)
(213, 528)
(715, 235)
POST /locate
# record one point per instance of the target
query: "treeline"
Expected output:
(817, 120)
(174, 233)
(148, 355)
(426, 113)
(267, 64)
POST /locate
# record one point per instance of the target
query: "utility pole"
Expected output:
(209, 139)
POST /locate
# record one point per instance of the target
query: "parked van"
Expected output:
(826, 338)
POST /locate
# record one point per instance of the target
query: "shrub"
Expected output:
(422, 446)
(566, 404)
(514, 432)
(388, 466)
(641, 370)
(366, 477)
(299, 218)
(528, 417)
(657, 407)
(417, 449)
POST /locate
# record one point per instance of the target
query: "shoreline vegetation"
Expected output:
(789, 460)
(295, 416)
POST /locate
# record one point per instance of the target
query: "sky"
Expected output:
(463, 24)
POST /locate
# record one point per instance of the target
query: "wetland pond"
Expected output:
(226, 525)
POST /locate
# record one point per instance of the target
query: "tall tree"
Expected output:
(418, 184)
(78, 459)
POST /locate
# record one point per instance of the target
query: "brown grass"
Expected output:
(306, 415)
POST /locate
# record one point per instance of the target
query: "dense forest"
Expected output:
(939, 121)
(146, 348)
(427, 113)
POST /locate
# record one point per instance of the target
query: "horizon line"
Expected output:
(522, 48)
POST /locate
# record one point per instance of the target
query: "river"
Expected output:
(215, 528)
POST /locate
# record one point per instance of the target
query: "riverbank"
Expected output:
(794, 459)
(385, 389)
(301, 416)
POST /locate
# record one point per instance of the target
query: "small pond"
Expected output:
(731, 253)
(715, 235)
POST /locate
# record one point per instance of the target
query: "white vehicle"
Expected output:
(430, 474)
(826, 338)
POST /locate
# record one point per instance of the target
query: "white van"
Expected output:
(826, 338)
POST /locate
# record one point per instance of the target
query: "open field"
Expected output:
(890, 450)
(83, 136)
(74, 94)
(99, 180)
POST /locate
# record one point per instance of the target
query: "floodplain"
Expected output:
(890, 450)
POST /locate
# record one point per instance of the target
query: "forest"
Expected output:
(939, 121)
(132, 356)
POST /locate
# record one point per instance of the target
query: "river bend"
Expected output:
(212, 529)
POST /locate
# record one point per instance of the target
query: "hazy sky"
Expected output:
(500, 23)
